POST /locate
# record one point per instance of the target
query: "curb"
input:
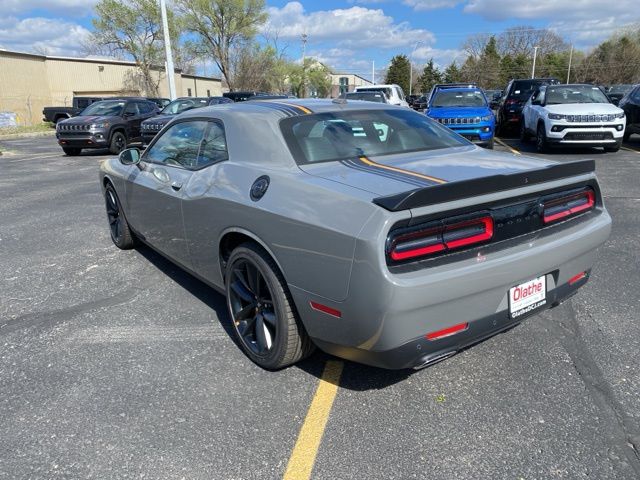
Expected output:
(15, 136)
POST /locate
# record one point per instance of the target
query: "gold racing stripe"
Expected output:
(299, 107)
(401, 170)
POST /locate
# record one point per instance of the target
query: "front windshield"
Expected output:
(522, 89)
(326, 137)
(181, 105)
(620, 88)
(574, 94)
(453, 98)
(104, 109)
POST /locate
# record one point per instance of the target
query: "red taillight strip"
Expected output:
(591, 201)
(324, 309)
(446, 332)
(442, 244)
(577, 278)
(481, 237)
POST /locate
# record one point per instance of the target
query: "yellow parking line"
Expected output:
(513, 150)
(306, 448)
(630, 150)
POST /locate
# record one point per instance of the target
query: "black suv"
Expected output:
(153, 125)
(630, 103)
(243, 96)
(111, 124)
(514, 96)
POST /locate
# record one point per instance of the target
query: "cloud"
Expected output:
(350, 27)
(54, 36)
(550, 9)
(72, 8)
(441, 57)
(423, 5)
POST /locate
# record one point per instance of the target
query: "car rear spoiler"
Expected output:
(480, 186)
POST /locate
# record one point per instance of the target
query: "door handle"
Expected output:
(176, 186)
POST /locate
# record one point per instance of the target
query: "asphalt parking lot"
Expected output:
(117, 364)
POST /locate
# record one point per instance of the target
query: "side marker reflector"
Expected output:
(324, 309)
(446, 332)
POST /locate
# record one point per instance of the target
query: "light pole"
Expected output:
(167, 50)
(304, 72)
(535, 54)
(411, 65)
(570, 58)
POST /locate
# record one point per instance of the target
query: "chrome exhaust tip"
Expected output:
(433, 359)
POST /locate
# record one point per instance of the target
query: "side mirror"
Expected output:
(615, 101)
(129, 156)
(536, 102)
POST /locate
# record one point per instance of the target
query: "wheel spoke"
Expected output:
(239, 274)
(251, 278)
(270, 318)
(242, 291)
(263, 336)
(244, 313)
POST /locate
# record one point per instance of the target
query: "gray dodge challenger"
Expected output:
(366, 230)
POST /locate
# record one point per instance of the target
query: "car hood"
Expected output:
(448, 112)
(159, 119)
(583, 108)
(89, 119)
(392, 174)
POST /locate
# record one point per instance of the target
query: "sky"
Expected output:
(349, 35)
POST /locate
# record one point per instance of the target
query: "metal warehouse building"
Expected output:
(29, 82)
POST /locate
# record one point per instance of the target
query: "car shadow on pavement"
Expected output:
(355, 376)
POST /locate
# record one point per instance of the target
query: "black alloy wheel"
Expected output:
(118, 226)
(118, 143)
(541, 140)
(262, 311)
(251, 303)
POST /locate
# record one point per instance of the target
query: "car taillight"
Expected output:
(440, 238)
(565, 207)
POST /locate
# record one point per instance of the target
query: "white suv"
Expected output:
(578, 115)
(394, 93)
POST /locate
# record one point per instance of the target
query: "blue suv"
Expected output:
(465, 110)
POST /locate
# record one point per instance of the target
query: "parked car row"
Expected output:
(116, 123)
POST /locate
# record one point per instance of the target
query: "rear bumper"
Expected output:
(386, 316)
(420, 352)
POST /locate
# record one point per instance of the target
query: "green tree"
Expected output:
(222, 27)
(430, 76)
(399, 72)
(313, 76)
(133, 28)
(452, 74)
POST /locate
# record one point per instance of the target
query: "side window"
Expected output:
(179, 145)
(214, 146)
(636, 95)
(145, 107)
(131, 109)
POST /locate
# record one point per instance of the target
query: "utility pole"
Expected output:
(535, 54)
(167, 50)
(304, 72)
(373, 72)
(570, 58)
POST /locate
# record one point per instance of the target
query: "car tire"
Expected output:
(121, 234)
(524, 136)
(71, 152)
(255, 291)
(613, 148)
(541, 140)
(118, 143)
(489, 144)
(626, 136)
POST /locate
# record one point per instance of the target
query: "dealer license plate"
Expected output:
(527, 297)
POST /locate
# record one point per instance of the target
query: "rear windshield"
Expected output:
(105, 108)
(467, 98)
(367, 96)
(335, 136)
(574, 94)
(385, 90)
(522, 89)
